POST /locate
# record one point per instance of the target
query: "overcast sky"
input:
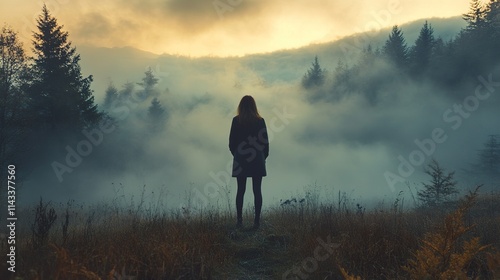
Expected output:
(220, 27)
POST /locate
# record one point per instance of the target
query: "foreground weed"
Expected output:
(45, 216)
(445, 254)
(67, 268)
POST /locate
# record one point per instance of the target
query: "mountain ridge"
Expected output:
(119, 65)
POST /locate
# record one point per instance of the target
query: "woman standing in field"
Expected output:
(249, 145)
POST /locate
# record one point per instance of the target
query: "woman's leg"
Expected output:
(257, 193)
(242, 184)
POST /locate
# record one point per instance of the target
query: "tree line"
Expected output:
(46, 102)
(450, 64)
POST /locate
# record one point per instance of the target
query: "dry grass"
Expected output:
(377, 244)
(447, 253)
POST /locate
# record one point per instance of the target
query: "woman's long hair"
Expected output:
(247, 110)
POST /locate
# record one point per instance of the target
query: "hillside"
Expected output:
(121, 65)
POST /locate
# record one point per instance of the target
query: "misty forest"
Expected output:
(384, 157)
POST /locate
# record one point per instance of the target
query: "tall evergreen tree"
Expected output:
(315, 76)
(476, 17)
(493, 24)
(477, 49)
(110, 97)
(493, 14)
(489, 157)
(60, 96)
(13, 117)
(156, 114)
(421, 53)
(486, 168)
(395, 48)
(369, 56)
(439, 48)
(125, 95)
(12, 98)
(148, 82)
(156, 110)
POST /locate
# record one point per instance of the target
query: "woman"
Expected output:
(249, 145)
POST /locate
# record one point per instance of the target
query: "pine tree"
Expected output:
(369, 56)
(489, 158)
(493, 24)
(478, 44)
(12, 99)
(125, 95)
(60, 96)
(395, 48)
(476, 17)
(439, 49)
(111, 97)
(422, 51)
(315, 76)
(440, 187)
(156, 110)
(156, 114)
(493, 14)
(148, 82)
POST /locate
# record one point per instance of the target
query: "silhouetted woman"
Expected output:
(249, 144)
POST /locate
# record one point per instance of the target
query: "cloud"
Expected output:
(94, 26)
(347, 144)
(231, 27)
(225, 27)
(343, 145)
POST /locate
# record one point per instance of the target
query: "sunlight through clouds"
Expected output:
(219, 27)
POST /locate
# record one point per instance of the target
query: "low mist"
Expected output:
(322, 140)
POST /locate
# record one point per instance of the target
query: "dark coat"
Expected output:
(249, 145)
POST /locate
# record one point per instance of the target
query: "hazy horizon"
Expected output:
(199, 28)
(344, 143)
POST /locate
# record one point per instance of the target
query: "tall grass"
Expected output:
(141, 241)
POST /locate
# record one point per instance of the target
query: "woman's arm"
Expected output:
(232, 137)
(265, 139)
